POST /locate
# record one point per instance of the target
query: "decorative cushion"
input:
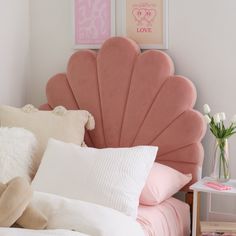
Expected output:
(17, 147)
(162, 183)
(32, 218)
(60, 123)
(112, 177)
(15, 198)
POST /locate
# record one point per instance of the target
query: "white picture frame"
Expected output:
(92, 45)
(164, 45)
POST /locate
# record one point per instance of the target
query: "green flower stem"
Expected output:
(220, 167)
(223, 162)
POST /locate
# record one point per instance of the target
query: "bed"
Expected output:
(136, 100)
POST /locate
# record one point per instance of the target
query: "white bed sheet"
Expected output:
(26, 232)
(86, 219)
(171, 218)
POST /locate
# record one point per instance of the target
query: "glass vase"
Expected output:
(221, 165)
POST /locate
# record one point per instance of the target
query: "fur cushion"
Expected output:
(17, 146)
(61, 124)
(15, 207)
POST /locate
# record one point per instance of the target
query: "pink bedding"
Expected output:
(170, 218)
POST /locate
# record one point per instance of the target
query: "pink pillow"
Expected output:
(162, 183)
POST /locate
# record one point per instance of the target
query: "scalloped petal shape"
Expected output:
(82, 78)
(187, 129)
(115, 70)
(59, 93)
(144, 90)
(136, 100)
(170, 101)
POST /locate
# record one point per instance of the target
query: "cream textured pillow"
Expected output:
(17, 147)
(61, 124)
(112, 177)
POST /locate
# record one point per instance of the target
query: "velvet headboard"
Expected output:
(136, 100)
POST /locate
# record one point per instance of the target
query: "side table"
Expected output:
(199, 188)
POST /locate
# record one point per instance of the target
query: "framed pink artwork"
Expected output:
(146, 21)
(93, 22)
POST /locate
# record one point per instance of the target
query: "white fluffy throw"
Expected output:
(16, 148)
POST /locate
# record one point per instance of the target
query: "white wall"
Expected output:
(51, 43)
(14, 51)
(202, 42)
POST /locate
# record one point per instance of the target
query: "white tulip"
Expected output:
(217, 118)
(234, 119)
(207, 119)
(222, 116)
(206, 109)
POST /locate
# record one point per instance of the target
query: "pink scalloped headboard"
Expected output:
(136, 100)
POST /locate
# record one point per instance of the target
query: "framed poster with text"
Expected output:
(145, 21)
(93, 22)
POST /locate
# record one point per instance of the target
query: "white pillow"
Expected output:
(17, 146)
(112, 177)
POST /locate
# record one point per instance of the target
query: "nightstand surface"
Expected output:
(200, 187)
